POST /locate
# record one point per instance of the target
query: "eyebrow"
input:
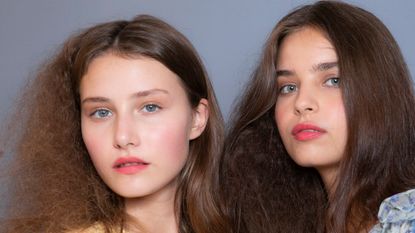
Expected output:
(325, 66)
(284, 73)
(316, 68)
(135, 95)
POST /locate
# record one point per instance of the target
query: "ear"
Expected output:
(200, 119)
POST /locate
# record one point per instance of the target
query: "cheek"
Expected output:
(87, 136)
(337, 113)
(97, 140)
(177, 144)
(171, 140)
(342, 126)
(281, 116)
(93, 142)
(339, 123)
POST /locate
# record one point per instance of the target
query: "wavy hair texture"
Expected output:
(266, 191)
(53, 186)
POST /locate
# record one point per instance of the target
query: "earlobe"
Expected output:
(200, 118)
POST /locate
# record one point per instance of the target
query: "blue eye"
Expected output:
(151, 107)
(332, 82)
(288, 89)
(101, 113)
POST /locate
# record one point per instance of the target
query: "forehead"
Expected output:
(305, 44)
(111, 74)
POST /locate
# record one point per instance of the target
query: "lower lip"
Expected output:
(306, 135)
(129, 170)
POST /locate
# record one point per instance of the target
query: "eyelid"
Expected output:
(326, 82)
(96, 110)
(157, 107)
(286, 85)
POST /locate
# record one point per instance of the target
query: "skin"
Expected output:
(137, 108)
(309, 96)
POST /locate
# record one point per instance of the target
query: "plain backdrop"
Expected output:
(228, 34)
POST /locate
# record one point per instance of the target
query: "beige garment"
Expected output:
(96, 228)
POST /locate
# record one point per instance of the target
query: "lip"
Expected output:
(129, 165)
(305, 132)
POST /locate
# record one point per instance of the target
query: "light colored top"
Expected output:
(397, 214)
(96, 228)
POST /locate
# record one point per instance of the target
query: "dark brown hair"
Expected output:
(55, 187)
(266, 190)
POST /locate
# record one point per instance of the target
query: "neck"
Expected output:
(328, 175)
(154, 213)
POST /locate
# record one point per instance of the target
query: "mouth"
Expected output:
(305, 132)
(129, 165)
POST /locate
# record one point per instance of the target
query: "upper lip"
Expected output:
(306, 126)
(124, 160)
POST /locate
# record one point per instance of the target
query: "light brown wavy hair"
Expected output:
(266, 191)
(52, 183)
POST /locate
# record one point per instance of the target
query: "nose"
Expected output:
(306, 101)
(125, 132)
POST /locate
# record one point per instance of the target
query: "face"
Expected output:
(309, 110)
(137, 123)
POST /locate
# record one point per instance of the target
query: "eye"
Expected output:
(332, 82)
(151, 108)
(286, 89)
(101, 113)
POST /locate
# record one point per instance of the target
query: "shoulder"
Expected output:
(397, 214)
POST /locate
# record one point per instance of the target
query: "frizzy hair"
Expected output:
(55, 187)
(377, 90)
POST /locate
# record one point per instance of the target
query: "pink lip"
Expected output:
(129, 165)
(305, 132)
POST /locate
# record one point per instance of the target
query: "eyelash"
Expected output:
(293, 87)
(105, 113)
(146, 108)
(98, 111)
(332, 79)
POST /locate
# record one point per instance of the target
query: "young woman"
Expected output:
(325, 130)
(120, 132)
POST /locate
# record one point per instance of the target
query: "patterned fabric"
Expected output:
(397, 214)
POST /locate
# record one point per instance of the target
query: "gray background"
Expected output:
(227, 34)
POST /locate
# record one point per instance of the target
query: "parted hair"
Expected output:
(53, 185)
(266, 191)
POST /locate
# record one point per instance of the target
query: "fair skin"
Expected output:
(309, 110)
(137, 123)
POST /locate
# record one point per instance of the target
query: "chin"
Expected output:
(310, 163)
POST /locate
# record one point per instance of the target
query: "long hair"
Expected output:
(55, 187)
(280, 196)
